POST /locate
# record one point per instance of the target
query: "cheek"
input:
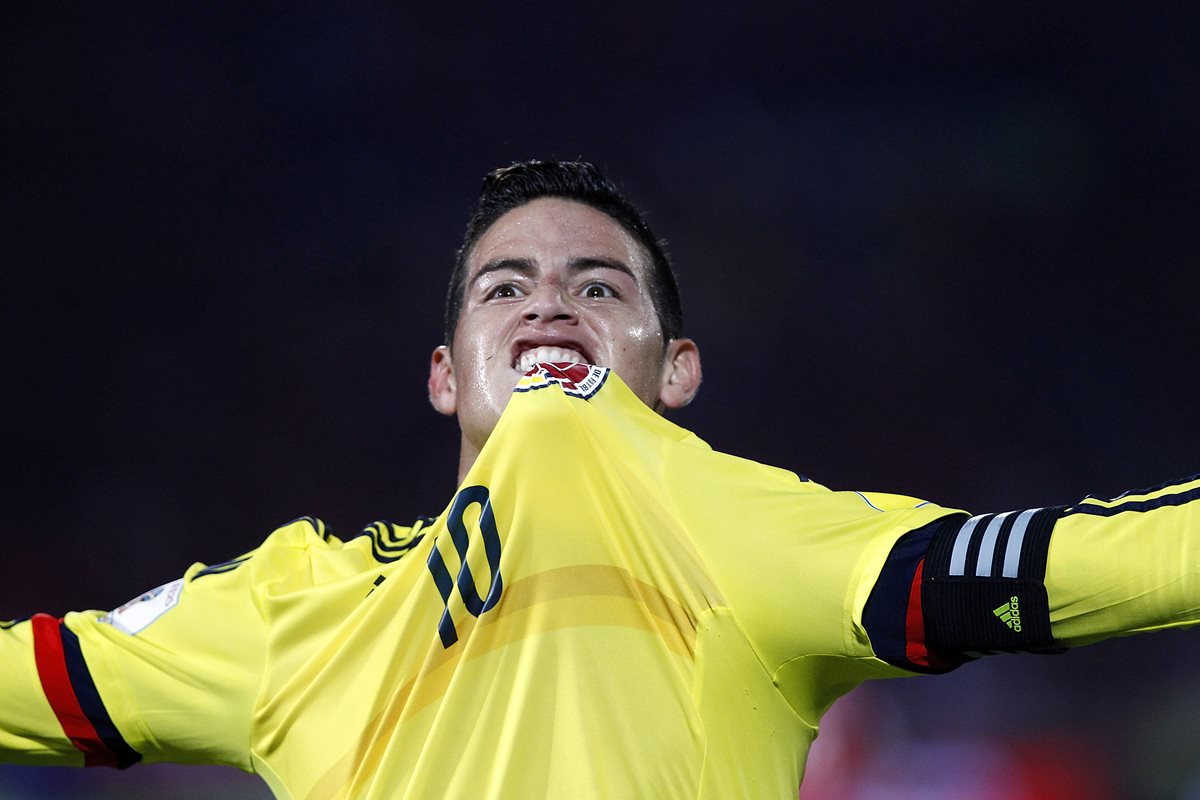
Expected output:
(477, 339)
(645, 339)
(632, 329)
(637, 351)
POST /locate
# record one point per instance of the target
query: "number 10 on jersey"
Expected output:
(465, 581)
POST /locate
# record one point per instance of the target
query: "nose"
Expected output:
(548, 302)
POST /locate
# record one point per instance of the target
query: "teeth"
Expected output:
(530, 357)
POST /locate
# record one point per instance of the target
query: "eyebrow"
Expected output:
(527, 266)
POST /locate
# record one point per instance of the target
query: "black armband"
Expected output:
(983, 584)
(959, 588)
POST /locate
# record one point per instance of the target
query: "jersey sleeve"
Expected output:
(30, 733)
(1039, 580)
(170, 676)
(1125, 566)
(796, 561)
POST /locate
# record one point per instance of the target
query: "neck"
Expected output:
(467, 454)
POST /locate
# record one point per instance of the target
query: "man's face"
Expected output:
(552, 280)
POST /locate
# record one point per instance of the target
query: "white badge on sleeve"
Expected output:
(136, 615)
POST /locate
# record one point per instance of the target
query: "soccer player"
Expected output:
(606, 607)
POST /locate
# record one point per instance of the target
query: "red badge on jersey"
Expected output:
(577, 380)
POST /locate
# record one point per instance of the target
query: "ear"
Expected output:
(680, 379)
(443, 390)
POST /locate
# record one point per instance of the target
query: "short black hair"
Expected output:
(511, 187)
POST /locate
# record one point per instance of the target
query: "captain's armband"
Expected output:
(959, 588)
(984, 585)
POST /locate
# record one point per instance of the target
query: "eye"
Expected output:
(503, 291)
(598, 289)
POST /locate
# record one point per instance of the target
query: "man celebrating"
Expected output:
(606, 607)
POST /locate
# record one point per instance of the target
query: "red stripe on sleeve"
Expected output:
(915, 649)
(56, 683)
(914, 622)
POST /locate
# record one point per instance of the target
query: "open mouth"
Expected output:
(525, 358)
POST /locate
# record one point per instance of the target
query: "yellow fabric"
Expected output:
(1136, 570)
(672, 623)
(29, 731)
(668, 622)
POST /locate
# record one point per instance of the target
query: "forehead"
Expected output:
(550, 230)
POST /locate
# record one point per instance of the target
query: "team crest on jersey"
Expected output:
(136, 615)
(577, 380)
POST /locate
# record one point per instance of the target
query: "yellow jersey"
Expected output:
(606, 608)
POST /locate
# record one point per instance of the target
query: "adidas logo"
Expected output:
(1010, 614)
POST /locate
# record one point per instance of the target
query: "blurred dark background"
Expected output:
(948, 252)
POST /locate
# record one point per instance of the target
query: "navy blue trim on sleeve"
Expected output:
(894, 617)
(91, 704)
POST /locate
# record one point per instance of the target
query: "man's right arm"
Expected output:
(170, 676)
(30, 733)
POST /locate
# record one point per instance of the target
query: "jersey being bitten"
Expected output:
(606, 608)
(635, 612)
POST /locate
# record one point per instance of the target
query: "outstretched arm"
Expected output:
(1040, 580)
(171, 675)
(30, 731)
(1124, 566)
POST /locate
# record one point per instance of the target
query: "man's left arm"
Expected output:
(1124, 566)
(1039, 580)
